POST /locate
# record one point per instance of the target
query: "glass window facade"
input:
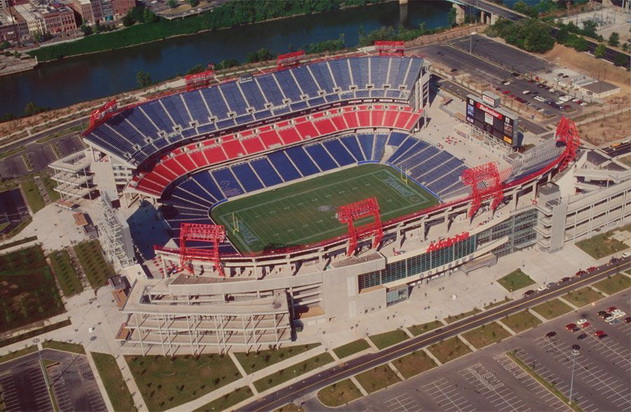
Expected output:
(520, 230)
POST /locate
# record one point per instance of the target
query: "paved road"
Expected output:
(363, 363)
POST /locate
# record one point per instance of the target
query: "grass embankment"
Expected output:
(64, 346)
(65, 273)
(114, 383)
(20, 352)
(292, 371)
(582, 296)
(485, 335)
(383, 340)
(255, 361)
(414, 363)
(28, 292)
(614, 284)
(166, 382)
(552, 309)
(521, 321)
(226, 401)
(455, 318)
(516, 280)
(351, 348)
(97, 269)
(424, 327)
(33, 196)
(449, 349)
(603, 245)
(338, 394)
(377, 378)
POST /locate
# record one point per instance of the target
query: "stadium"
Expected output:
(313, 192)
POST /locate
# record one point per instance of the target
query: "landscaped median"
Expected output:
(521, 321)
(486, 335)
(614, 284)
(351, 348)
(414, 363)
(292, 371)
(383, 340)
(516, 280)
(224, 402)
(255, 361)
(114, 383)
(377, 378)
(338, 394)
(552, 309)
(582, 297)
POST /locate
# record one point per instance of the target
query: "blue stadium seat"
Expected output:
(266, 172)
(302, 161)
(366, 142)
(396, 138)
(350, 142)
(227, 182)
(339, 153)
(321, 157)
(288, 84)
(246, 177)
(282, 164)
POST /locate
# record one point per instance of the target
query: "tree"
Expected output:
(172, 3)
(260, 55)
(614, 39)
(620, 59)
(143, 79)
(128, 20)
(227, 63)
(149, 17)
(451, 17)
(198, 68)
(87, 30)
(600, 51)
(193, 3)
(31, 108)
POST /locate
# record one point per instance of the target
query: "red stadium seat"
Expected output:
(306, 130)
(363, 118)
(325, 126)
(270, 138)
(233, 148)
(253, 144)
(351, 119)
(214, 155)
(289, 135)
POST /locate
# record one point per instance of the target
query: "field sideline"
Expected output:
(305, 212)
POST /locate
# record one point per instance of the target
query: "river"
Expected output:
(65, 82)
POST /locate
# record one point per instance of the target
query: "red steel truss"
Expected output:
(287, 60)
(485, 183)
(103, 113)
(199, 80)
(390, 48)
(197, 232)
(568, 134)
(354, 211)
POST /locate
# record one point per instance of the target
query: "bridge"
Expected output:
(489, 12)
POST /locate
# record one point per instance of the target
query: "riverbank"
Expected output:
(11, 65)
(227, 16)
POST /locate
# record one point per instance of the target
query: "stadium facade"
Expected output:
(191, 151)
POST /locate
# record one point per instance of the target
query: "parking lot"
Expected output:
(490, 380)
(24, 387)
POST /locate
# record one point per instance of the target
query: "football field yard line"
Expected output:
(299, 218)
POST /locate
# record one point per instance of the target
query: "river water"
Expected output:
(73, 80)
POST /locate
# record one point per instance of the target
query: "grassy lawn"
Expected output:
(424, 327)
(449, 349)
(20, 352)
(583, 296)
(114, 383)
(64, 346)
(351, 348)
(255, 361)
(49, 185)
(292, 371)
(305, 212)
(485, 335)
(166, 382)
(65, 273)
(96, 268)
(339, 393)
(516, 280)
(613, 284)
(377, 378)
(383, 340)
(521, 321)
(33, 197)
(226, 401)
(494, 304)
(452, 319)
(602, 245)
(35, 332)
(552, 309)
(414, 363)
(28, 292)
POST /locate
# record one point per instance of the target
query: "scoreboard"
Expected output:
(494, 121)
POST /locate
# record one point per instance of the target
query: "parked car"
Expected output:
(566, 279)
(581, 273)
(528, 293)
(571, 327)
(551, 334)
(591, 269)
(600, 334)
(627, 319)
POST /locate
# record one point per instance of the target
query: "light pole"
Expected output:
(574, 352)
(473, 33)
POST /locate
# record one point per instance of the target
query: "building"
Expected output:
(34, 19)
(190, 151)
(59, 18)
(92, 11)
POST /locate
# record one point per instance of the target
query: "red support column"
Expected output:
(354, 211)
(485, 183)
(196, 232)
(199, 80)
(567, 133)
(288, 60)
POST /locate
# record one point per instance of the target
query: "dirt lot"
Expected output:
(611, 121)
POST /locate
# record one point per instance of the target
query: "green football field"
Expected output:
(305, 212)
